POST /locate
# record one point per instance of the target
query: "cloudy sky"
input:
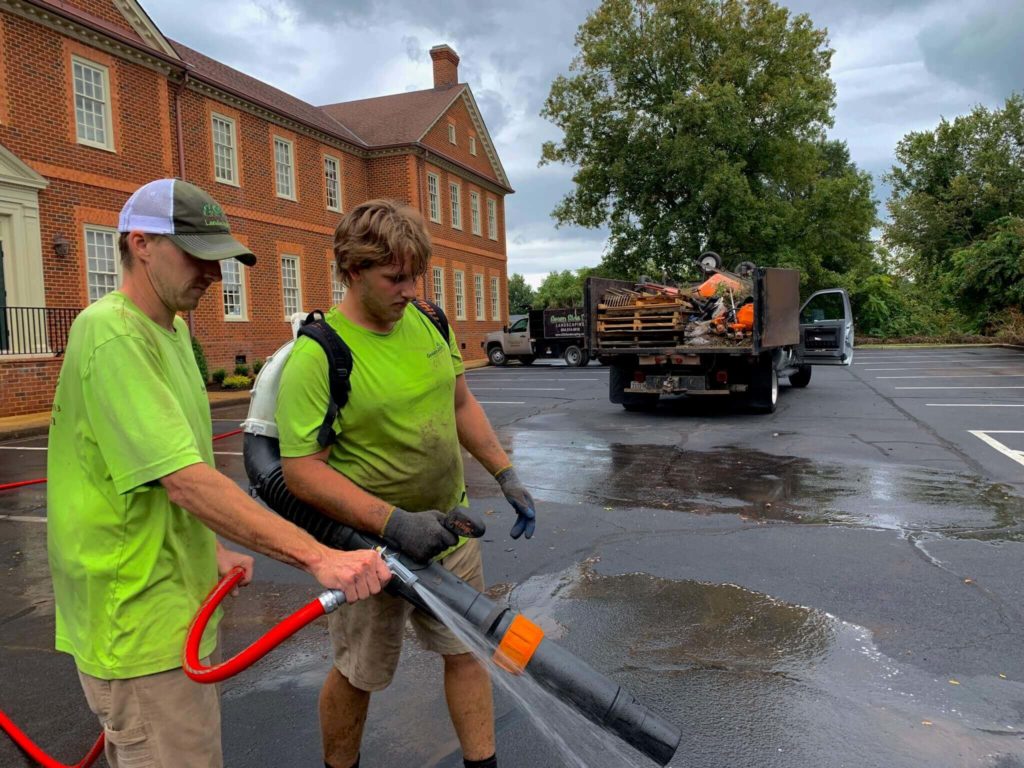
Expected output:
(899, 65)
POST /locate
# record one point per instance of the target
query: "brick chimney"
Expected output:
(446, 66)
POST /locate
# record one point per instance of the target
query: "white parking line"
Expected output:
(944, 388)
(519, 389)
(975, 405)
(23, 518)
(962, 376)
(986, 437)
(532, 378)
(21, 448)
(501, 402)
(228, 453)
(932, 368)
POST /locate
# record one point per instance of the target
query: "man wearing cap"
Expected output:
(133, 499)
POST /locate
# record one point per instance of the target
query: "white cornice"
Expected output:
(143, 25)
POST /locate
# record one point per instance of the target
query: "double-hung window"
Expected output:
(332, 180)
(460, 295)
(338, 288)
(472, 145)
(233, 287)
(290, 291)
(495, 306)
(492, 219)
(478, 296)
(433, 197)
(454, 191)
(284, 168)
(451, 134)
(102, 262)
(225, 153)
(437, 278)
(92, 104)
(474, 212)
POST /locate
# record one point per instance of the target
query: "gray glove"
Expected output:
(521, 501)
(420, 535)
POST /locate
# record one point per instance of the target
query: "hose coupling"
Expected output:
(331, 600)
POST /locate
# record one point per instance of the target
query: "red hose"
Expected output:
(34, 752)
(190, 662)
(20, 483)
(246, 658)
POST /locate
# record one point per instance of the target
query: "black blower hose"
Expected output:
(601, 700)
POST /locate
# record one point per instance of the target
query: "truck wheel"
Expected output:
(497, 356)
(526, 359)
(801, 378)
(573, 356)
(764, 388)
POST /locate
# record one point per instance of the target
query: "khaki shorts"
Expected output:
(367, 636)
(157, 721)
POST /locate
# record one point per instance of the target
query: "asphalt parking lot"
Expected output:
(834, 584)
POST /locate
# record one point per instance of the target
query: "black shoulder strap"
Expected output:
(434, 314)
(339, 369)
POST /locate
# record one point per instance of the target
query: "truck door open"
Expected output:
(826, 329)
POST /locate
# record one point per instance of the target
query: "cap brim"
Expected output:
(214, 247)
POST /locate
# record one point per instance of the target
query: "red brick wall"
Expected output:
(437, 139)
(104, 9)
(27, 385)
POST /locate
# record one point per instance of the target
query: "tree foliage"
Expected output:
(956, 206)
(520, 295)
(700, 124)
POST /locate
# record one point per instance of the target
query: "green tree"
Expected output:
(520, 295)
(987, 277)
(700, 125)
(951, 188)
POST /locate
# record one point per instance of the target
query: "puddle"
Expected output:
(763, 486)
(755, 681)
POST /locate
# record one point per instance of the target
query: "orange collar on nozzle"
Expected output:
(518, 644)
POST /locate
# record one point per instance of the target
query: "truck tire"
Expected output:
(526, 359)
(801, 378)
(618, 377)
(763, 395)
(574, 357)
(497, 356)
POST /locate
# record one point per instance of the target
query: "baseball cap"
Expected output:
(187, 216)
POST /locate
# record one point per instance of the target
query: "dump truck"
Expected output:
(732, 334)
(550, 333)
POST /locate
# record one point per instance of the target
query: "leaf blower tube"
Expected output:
(519, 642)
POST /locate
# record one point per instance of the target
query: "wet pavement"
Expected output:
(836, 584)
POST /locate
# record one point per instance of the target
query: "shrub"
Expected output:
(218, 376)
(257, 366)
(237, 382)
(241, 370)
(197, 351)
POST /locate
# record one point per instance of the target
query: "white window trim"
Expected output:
(460, 293)
(108, 104)
(337, 172)
(298, 283)
(242, 298)
(495, 299)
(492, 218)
(437, 283)
(478, 297)
(335, 280)
(117, 257)
(291, 168)
(234, 149)
(434, 201)
(472, 145)
(451, 134)
(455, 198)
(474, 212)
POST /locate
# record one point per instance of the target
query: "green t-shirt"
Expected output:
(397, 437)
(129, 567)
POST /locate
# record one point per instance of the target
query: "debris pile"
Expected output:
(717, 312)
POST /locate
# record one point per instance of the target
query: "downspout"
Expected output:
(181, 157)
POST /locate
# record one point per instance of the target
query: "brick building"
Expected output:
(95, 101)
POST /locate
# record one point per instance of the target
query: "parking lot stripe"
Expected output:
(21, 448)
(975, 405)
(23, 518)
(986, 437)
(961, 376)
(501, 402)
(530, 378)
(944, 388)
(519, 389)
(931, 368)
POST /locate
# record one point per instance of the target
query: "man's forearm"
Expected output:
(477, 435)
(316, 483)
(227, 510)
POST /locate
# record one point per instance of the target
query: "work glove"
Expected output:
(425, 535)
(521, 501)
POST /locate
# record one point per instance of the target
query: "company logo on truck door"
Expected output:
(563, 323)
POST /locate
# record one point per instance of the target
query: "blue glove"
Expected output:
(521, 501)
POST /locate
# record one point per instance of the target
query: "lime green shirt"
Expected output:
(129, 567)
(397, 437)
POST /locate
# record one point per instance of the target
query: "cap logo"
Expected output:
(213, 215)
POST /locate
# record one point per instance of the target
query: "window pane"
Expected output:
(478, 296)
(438, 281)
(223, 150)
(290, 284)
(495, 308)
(338, 288)
(101, 260)
(231, 285)
(333, 183)
(474, 211)
(492, 220)
(460, 296)
(283, 164)
(435, 205)
(456, 207)
(90, 103)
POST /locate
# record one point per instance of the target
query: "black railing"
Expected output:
(35, 330)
